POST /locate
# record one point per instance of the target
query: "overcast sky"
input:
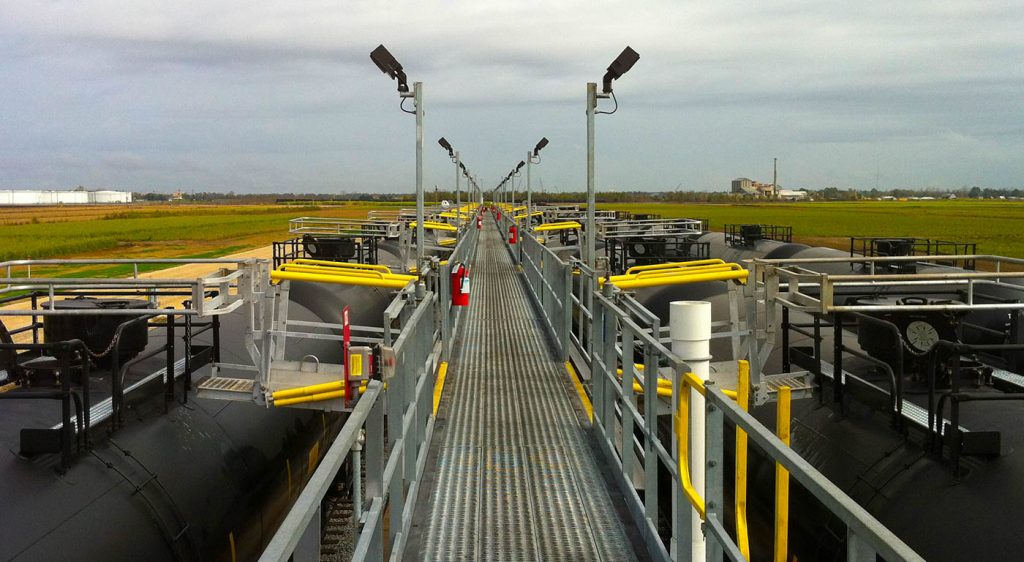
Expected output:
(258, 96)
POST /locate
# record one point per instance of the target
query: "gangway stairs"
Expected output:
(515, 476)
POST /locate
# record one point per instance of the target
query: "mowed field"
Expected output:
(151, 230)
(996, 226)
(200, 231)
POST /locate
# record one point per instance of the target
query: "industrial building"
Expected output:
(747, 186)
(54, 197)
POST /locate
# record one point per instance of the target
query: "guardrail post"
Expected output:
(374, 451)
(714, 475)
(607, 372)
(596, 377)
(858, 550)
(395, 399)
(566, 331)
(629, 460)
(308, 549)
(651, 459)
(445, 304)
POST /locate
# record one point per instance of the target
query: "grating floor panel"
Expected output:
(515, 476)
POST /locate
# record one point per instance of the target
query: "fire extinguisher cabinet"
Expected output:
(460, 285)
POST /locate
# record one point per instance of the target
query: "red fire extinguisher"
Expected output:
(513, 234)
(460, 286)
(479, 222)
(499, 214)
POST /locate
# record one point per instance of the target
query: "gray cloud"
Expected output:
(266, 96)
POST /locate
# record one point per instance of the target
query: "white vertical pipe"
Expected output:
(690, 330)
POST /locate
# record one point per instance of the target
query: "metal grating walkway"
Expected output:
(515, 477)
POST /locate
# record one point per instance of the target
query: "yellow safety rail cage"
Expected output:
(677, 273)
(434, 225)
(556, 226)
(682, 430)
(340, 273)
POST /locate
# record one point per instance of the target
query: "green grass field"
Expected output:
(163, 230)
(159, 231)
(996, 226)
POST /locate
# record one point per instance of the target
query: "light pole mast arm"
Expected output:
(591, 250)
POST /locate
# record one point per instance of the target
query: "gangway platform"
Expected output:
(515, 476)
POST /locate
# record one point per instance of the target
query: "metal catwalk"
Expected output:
(515, 478)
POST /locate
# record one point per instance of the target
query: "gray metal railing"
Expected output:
(392, 482)
(866, 537)
(549, 280)
(299, 533)
(419, 327)
(625, 424)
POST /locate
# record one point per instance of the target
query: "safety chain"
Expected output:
(106, 351)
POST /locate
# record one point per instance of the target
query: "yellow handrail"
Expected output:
(434, 225)
(683, 438)
(664, 384)
(393, 281)
(743, 400)
(344, 265)
(680, 273)
(674, 264)
(309, 390)
(782, 480)
(331, 271)
(552, 226)
(682, 429)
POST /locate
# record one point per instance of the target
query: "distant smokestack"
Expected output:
(775, 177)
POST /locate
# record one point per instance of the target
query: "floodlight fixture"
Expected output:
(621, 65)
(543, 142)
(447, 146)
(387, 64)
(519, 166)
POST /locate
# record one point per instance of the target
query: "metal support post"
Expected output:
(529, 189)
(417, 89)
(458, 198)
(357, 478)
(591, 198)
(308, 549)
(714, 477)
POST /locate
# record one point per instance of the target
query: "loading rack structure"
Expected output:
(354, 240)
(650, 241)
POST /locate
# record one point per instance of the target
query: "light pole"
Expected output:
(530, 156)
(515, 172)
(388, 65)
(454, 155)
(621, 65)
